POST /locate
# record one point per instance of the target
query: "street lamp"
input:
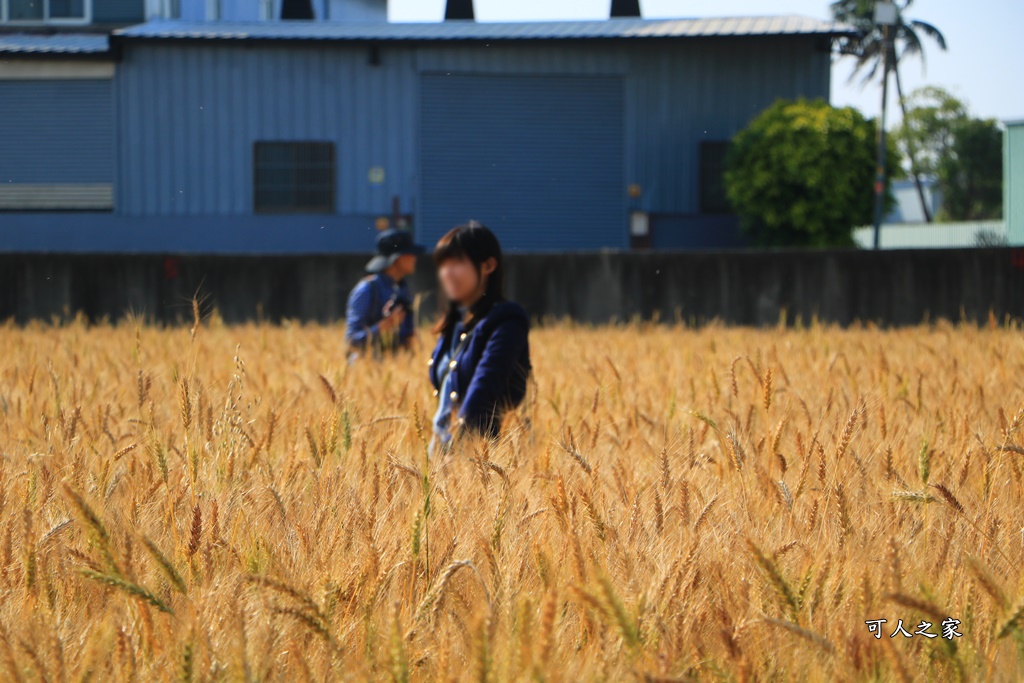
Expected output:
(886, 16)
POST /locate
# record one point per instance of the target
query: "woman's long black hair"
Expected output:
(477, 243)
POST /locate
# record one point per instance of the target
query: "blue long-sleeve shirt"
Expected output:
(486, 375)
(365, 310)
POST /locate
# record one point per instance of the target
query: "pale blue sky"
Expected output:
(983, 65)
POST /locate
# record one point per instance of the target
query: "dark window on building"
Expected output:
(293, 177)
(712, 177)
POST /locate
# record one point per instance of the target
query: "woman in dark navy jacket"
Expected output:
(480, 365)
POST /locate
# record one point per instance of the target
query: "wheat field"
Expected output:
(238, 503)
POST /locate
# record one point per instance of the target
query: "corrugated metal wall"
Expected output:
(118, 11)
(676, 93)
(958, 235)
(56, 131)
(1013, 184)
(534, 158)
(234, 10)
(189, 113)
(707, 90)
(104, 232)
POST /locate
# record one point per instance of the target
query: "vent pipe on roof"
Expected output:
(626, 8)
(297, 9)
(459, 9)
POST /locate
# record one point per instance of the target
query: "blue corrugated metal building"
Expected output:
(299, 136)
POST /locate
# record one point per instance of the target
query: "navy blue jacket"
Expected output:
(491, 369)
(365, 311)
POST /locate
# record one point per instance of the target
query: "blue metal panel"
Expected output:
(194, 11)
(111, 233)
(672, 231)
(354, 10)
(118, 11)
(539, 160)
(240, 10)
(57, 43)
(617, 29)
(707, 90)
(191, 115)
(56, 131)
(544, 59)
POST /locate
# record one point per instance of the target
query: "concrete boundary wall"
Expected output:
(891, 287)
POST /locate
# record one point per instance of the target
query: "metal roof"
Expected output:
(56, 43)
(484, 31)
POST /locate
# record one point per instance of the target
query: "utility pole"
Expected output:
(886, 16)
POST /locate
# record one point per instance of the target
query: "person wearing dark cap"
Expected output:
(379, 312)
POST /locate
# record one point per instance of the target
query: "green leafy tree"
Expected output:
(802, 174)
(963, 153)
(971, 173)
(868, 47)
(929, 126)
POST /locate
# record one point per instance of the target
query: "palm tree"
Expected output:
(868, 48)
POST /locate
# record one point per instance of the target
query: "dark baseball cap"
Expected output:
(390, 245)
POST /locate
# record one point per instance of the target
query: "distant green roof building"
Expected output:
(1013, 181)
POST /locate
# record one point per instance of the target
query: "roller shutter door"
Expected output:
(56, 144)
(540, 159)
(56, 131)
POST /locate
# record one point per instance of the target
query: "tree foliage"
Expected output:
(802, 174)
(868, 45)
(929, 126)
(963, 153)
(971, 174)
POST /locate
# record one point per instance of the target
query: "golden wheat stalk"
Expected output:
(775, 577)
(810, 636)
(96, 529)
(920, 604)
(128, 587)
(1014, 622)
(166, 566)
(431, 602)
